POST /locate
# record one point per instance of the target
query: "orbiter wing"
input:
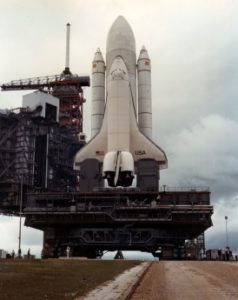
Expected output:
(94, 149)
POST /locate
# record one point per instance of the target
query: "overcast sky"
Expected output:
(193, 46)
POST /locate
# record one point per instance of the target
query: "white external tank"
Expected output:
(98, 93)
(144, 93)
(121, 42)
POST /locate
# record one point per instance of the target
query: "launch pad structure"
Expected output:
(91, 223)
(72, 206)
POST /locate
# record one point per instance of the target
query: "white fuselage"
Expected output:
(118, 110)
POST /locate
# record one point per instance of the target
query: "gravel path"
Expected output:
(169, 280)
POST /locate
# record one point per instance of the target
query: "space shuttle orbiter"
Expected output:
(121, 121)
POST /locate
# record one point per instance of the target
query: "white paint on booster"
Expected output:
(144, 93)
(98, 93)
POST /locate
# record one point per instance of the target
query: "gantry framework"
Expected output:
(66, 87)
(35, 154)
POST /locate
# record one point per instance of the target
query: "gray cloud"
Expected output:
(216, 235)
(9, 232)
(205, 153)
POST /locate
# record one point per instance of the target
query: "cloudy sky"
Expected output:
(193, 46)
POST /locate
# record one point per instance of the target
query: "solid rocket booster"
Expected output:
(119, 142)
(144, 93)
(98, 93)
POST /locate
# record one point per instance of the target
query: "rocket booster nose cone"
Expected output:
(120, 35)
(118, 70)
(143, 54)
(98, 56)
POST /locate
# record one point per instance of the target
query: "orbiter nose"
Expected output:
(118, 70)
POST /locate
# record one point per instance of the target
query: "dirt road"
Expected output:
(170, 280)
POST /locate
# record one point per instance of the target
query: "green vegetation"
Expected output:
(55, 279)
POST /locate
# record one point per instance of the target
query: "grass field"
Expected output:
(55, 279)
